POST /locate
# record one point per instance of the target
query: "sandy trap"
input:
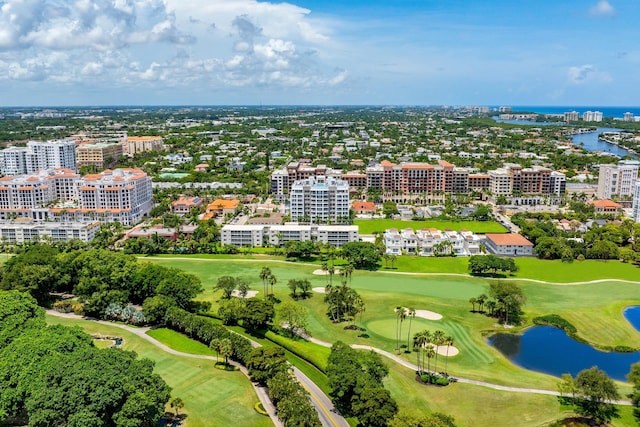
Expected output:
(250, 294)
(319, 290)
(442, 350)
(325, 273)
(429, 315)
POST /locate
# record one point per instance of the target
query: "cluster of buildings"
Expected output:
(74, 153)
(587, 116)
(411, 178)
(434, 242)
(60, 200)
(621, 181)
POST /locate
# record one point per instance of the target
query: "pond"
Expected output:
(632, 314)
(551, 351)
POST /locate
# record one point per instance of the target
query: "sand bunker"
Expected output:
(250, 294)
(321, 272)
(429, 315)
(442, 350)
(319, 290)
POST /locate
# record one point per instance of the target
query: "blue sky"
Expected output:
(402, 52)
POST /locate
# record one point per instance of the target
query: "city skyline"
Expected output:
(246, 52)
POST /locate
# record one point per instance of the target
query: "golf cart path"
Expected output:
(401, 273)
(413, 367)
(328, 415)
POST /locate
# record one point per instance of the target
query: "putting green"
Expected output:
(386, 327)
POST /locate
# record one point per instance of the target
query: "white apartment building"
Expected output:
(34, 231)
(319, 199)
(592, 116)
(59, 195)
(636, 203)
(618, 180)
(279, 235)
(427, 242)
(38, 155)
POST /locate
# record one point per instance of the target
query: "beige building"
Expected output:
(141, 144)
(102, 155)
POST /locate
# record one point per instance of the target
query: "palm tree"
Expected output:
(325, 269)
(473, 302)
(272, 281)
(481, 300)
(419, 341)
(332, 271)
(265, 274)
(491, 305)
(392, 259)
(430, 353)
(399, 318)
(348, 271)
(449, 341)
(411, 313)
(438, 340)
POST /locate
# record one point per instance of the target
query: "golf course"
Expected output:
(590, 295)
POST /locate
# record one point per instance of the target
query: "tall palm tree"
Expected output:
(399, 313)
(449, 342)
(265, 274)
(438, 340)
(430, 353)
(272, 281)
(325, 269)
(411, 313)
(421, 339)
(348, 271)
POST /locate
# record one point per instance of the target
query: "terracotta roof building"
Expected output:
(605, 206)
(509, 244)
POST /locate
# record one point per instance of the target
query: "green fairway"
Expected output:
(370, 226)
(595, 309)
(212, 397)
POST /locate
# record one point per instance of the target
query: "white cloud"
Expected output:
(140, 43)
(602, 8)
(587, 74)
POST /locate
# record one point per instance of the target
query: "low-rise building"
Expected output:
(222, 207)
(279, 235)
(184, 205)
(605, 206)
(431, 242)
(361, 207)
(141, 144)
(101, 155)
(28, 230)
(509, 244)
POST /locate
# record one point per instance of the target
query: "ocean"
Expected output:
(606, 111)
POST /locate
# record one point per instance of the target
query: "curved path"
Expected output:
(413, 367)
(402, 273)
(327, 413)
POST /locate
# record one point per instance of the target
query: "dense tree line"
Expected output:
(99, 278)
(482, 264)
(614, 240)
(355, 379)
(505, 302)
(53, 375)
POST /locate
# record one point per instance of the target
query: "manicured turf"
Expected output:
(212, 397)
(180, 342)
(369, 226)
(102, 343)
(595, 309)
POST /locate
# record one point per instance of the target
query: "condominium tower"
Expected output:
(38, 155)
(618, 180)
(319, 199)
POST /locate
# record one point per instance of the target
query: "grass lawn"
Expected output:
(212, 397)
(369, 226)
(595, 309)
(179, 342)
(102, 343)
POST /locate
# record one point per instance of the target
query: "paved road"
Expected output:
(329, 416)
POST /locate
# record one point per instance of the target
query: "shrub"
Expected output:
(65, 306)
(557, 321)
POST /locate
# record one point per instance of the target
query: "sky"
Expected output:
(319, 52)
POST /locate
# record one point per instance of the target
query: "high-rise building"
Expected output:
(636, 202)
(319, 199)
(618, 180)
(592, 116)
(38, 155)
(571, 116)
(141, 144)
(628, 117)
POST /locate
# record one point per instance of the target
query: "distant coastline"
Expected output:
(606, 111)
